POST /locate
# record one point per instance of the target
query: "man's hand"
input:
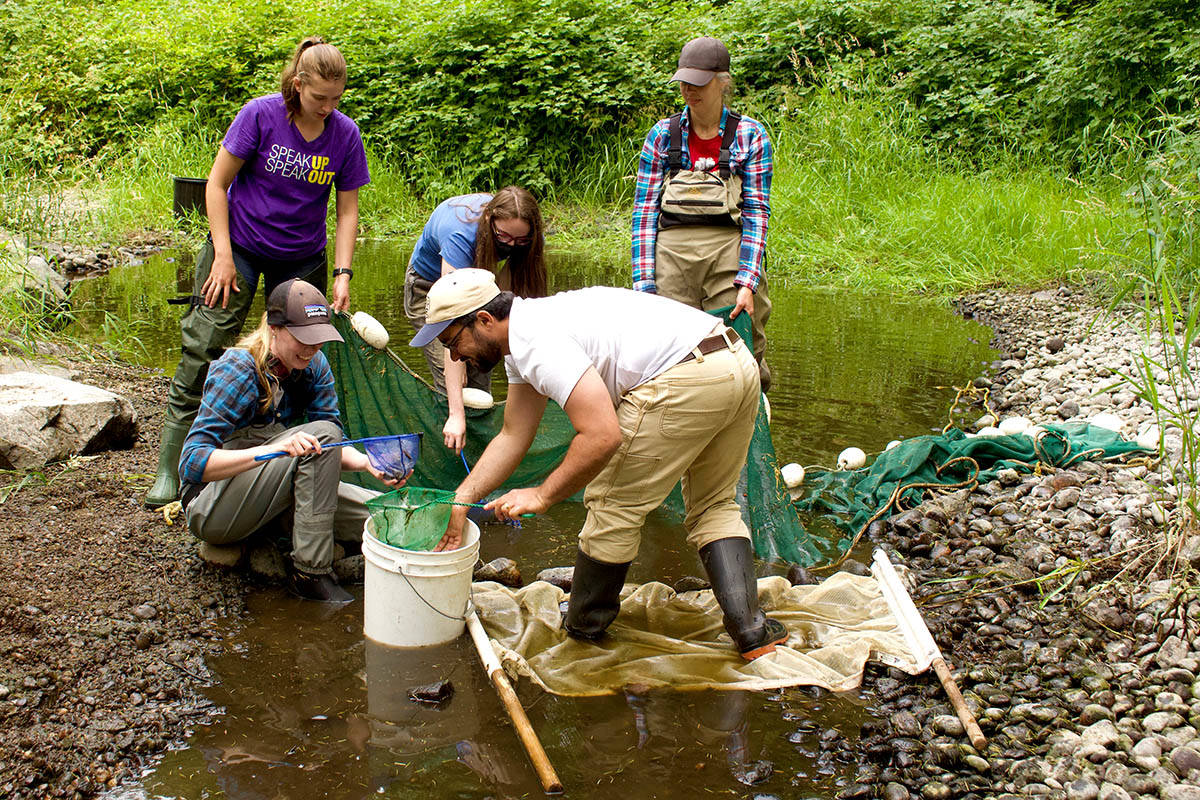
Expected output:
(452, 539)
(517, 502)
(744, 302)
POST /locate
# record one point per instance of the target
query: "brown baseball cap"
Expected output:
(301, 308)
(700, 60)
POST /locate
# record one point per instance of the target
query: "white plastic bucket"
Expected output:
(416, 598)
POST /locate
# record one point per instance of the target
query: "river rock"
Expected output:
(558, 576)
(44, 418)
(221, 555)
(1185, 759)
(21, 270)
(500, 570)
(1171, 652)
(1082, 789)
(1180, 791)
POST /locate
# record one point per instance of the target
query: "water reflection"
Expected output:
(850, 369)
(313, 710)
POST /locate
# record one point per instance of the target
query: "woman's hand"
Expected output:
(354, 460)
(298, 444)
(341, 292)
(454, 432)
(513, 504)
(744, 302)
(221, 278)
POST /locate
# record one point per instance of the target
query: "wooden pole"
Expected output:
(921, 642)
(512, 704)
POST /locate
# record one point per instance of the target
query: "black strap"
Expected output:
(675, 153)
(189, 300)
(731, 126)
(675, 149)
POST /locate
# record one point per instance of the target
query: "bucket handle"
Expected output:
(432, 607)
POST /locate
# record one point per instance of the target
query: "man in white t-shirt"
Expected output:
(656, 391)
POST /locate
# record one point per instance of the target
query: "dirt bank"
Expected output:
(106, 614)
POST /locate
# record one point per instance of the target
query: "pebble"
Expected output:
(1185, 759)
(935, 790)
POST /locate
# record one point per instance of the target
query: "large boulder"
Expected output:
(44, 418)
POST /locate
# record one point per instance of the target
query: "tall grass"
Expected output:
(857, 201)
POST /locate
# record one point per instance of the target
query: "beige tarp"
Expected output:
(663, 638)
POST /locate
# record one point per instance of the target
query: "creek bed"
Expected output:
(313, 710)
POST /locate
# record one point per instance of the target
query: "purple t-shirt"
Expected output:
(279, 199)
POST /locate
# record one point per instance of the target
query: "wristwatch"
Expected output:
(344, 271)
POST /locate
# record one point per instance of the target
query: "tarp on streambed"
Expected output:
(662, 638)
(379, 394)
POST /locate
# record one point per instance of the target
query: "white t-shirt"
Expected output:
(628, 336)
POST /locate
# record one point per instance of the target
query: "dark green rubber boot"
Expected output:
(730, 567)
(166, 482)
(595, 597)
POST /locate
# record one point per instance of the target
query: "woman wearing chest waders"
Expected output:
(267, 197)
(474, 230)
(275, 392)
(703, 198)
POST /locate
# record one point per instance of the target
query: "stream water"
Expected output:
(313, 710)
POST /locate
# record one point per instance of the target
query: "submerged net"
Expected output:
(666, 638)
(378, 394)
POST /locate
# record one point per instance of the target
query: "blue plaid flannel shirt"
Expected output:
(230, 403)
(750, 157)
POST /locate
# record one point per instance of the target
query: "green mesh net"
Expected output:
(411, 518)
(380, 394)
(902, 477)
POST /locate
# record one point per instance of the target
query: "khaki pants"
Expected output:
(206, 332)
(696, 265)
(323, 508)
(692, 422)
(416, 292)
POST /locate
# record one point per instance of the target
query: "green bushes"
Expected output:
(517, 89)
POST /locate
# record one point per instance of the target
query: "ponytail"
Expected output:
(313, 58)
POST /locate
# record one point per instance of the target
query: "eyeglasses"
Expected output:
(450, 345)
(516, 241)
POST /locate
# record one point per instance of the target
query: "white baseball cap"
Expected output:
(453, 296)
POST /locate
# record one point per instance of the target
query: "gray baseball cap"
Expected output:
(301, 308)
(700, 60)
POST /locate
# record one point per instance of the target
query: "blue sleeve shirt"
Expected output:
(231, 403)
(449, 235)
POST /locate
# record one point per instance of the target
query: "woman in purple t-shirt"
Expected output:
(267, 198)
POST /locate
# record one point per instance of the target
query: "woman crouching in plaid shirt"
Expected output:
(255, 400)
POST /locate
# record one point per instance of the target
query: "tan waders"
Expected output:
(205, 333)
(699, 238)
(696, 265)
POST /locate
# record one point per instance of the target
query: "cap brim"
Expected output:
(696, 77)
(315, 334)
(428, 333)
